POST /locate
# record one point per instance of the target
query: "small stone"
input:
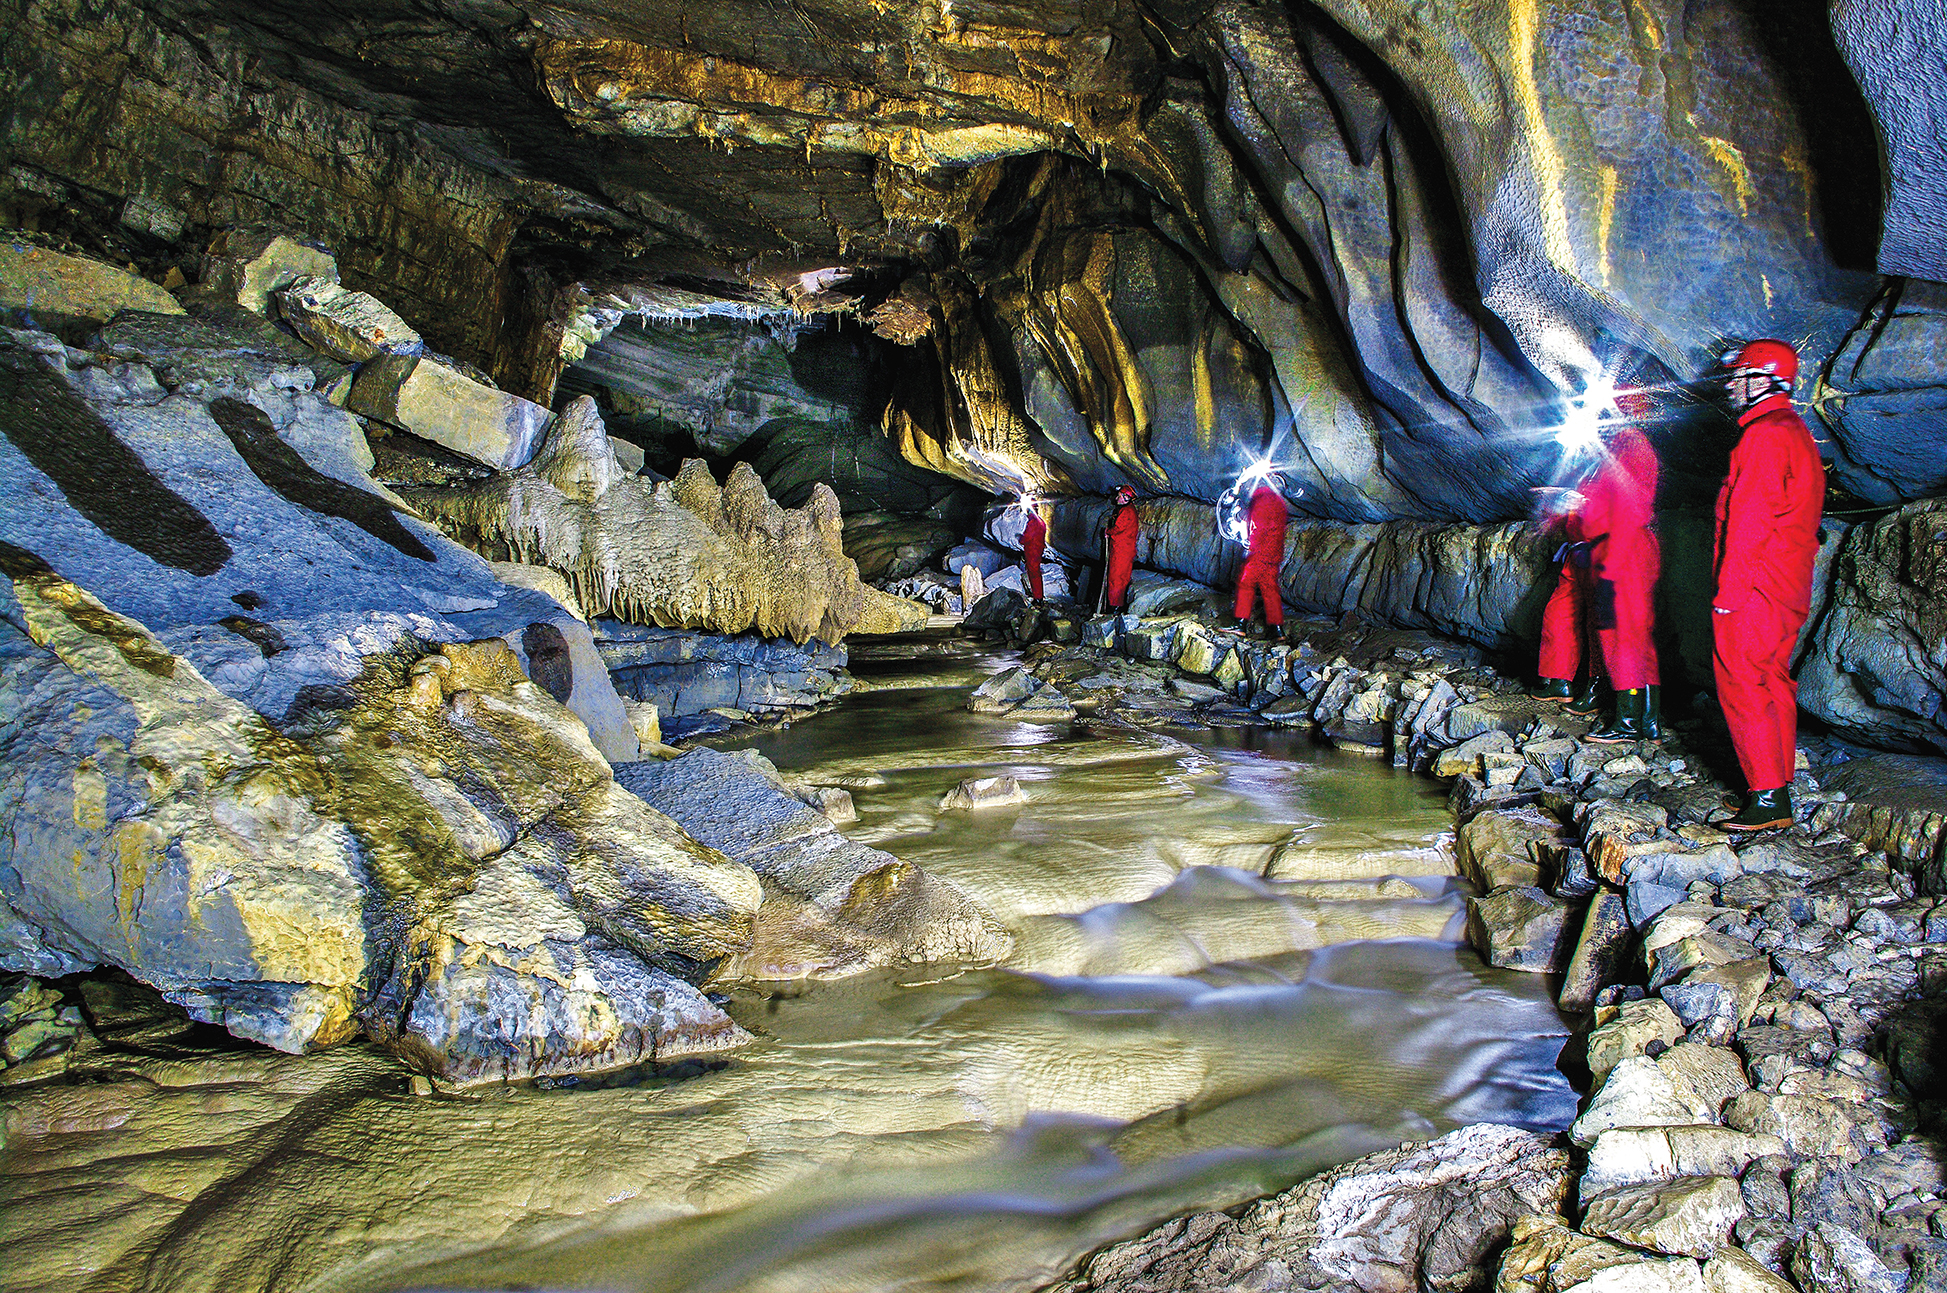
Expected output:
(1809, 1126)
(1003, 691)
(1635, 1025)
(1045, 706)
(1647, 900)
(984, 792)
(1732, 1270)
(1521, 928)
(1833, 1259)
(1601, 950)
(1638, 1155)
(1691, 1215)
(1465, 758)
(1637, 1093)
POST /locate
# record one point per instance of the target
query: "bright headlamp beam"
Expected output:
(1582, 428)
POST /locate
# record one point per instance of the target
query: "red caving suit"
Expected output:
(1260, 573)
(1033, 540)
(1123, 529)
(1609, 605)
(1767, 536)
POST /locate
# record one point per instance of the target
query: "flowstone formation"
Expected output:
(685, 553)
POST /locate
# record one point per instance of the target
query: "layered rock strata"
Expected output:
(700, 682)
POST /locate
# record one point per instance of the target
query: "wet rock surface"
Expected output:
(1420, 1216)
(1761, 1007)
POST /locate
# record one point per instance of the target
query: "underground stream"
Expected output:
(1238, 962)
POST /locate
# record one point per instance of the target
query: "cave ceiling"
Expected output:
(1103, 240)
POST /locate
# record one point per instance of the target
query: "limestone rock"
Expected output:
(1425, 1215)
(984, 792)
(352, 326)
(1638, 1093)
(1548, 1257)
(1045, 706)
(436, 401)
(1689, 1215)
(1521, 929)
(195, 785)
(1733, 1270)
(1809, 1126)
(1833, 1259)
(1501, 846)
(248, 265)
(1629, 1032)
(1601, 949)
(1003, 691)
(686, 553)
(56, 291)
(845, 907)
(1464, 758)
(1640, 1155)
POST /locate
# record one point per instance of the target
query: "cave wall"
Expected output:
(1380, 240)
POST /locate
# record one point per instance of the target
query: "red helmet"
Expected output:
(1768, 355)
(1125, 493)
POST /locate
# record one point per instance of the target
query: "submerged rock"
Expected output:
(1426, 1216)
(835, 906)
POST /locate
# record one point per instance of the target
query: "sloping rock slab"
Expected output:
(845, 907)
(1421, 1217)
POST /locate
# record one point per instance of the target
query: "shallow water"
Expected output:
(1236, 964)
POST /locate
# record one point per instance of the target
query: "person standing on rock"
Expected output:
(1120, 539)
(1767, 536)
(1619, 516)
(1034, 541)
(1264, 554)
(1602, 612)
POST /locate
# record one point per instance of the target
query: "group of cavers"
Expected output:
(1597, 657)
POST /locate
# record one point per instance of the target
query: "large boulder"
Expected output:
(1875, 666)
(47, 289)
(271, 743)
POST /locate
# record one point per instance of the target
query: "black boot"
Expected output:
(1763, 810)
(1552, 689)
(1631, 721)
(1588, 701)
(1653, 712)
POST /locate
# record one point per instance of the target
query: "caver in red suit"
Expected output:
(1124, 526)
(1604, 605)
(1767, 535)
(1564, 626)
(1618, 510)
(1260, 574)
(1034, 539)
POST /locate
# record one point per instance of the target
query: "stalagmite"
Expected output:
(685, 553)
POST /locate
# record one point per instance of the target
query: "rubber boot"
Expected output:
(1552, 689)
(1588, 701)
(1630, 721)
(1763, 810)
(1653, 712)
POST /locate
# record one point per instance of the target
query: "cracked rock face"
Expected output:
(1105, 240)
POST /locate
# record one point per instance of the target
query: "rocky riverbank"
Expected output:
(1763, 1014)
